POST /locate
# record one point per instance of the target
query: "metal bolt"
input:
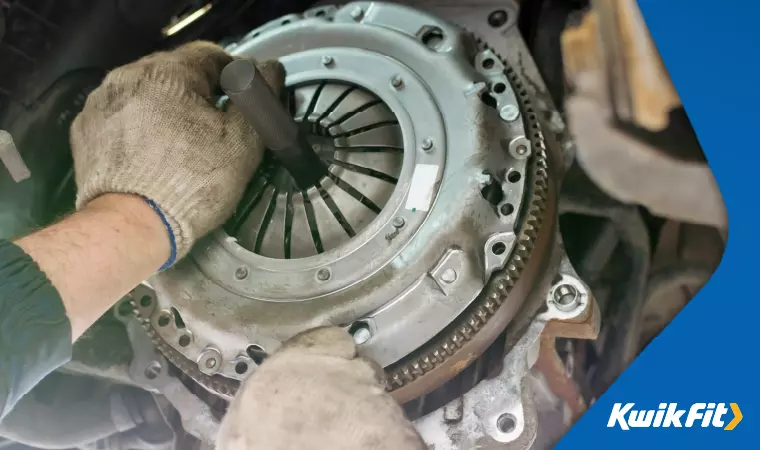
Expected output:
(397, 82)
(210, 363)
(509, 113)
(399, 222)
(521, 149)
(427, 144)
(449, 276)
(241, 273)
(566, 297)
(323, 274)
(357, 13)
(153, 370)
(361, 335)
(327, 60)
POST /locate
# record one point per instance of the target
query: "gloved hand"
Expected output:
(151, 129)
(314, 393)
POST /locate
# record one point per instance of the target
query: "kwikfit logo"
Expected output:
(669, 415)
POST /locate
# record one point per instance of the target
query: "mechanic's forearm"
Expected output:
(97, 255)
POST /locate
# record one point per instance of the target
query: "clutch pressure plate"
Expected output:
(423, 241)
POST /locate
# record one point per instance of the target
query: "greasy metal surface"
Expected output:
(382, 287)
(499, 412)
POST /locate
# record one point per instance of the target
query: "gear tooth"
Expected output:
(490, 306)
(482, 314)
(407, 374)
(417, 369)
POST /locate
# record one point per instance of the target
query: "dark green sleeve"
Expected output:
(35, 334)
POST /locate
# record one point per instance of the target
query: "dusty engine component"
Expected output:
(434, 230)
(628, 120)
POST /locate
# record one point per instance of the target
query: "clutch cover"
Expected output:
(424, 239)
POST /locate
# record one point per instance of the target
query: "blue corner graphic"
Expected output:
(709, 353)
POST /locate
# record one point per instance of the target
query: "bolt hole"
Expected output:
(164, 319)
(285, 22)
(152, 370)
(488, 63)
(499, 88)
(432, 37)
(498, 18)
(184, 340)
(498, 248)
(506, 209)
(513, 176)
(145, 301)
(320, 13)
(241, 368)
(488, 99)
(124, 309)
(256, 353)
(506, 423)
(177, 318)
(492, 191)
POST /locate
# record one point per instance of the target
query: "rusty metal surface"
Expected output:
(613, 41)
(636, 172)
(500, 413)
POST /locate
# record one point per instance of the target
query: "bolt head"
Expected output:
(399, 222)
(327, 61)
(397, 82)
(509, 113)
(362, 335)
(521, 150)
(427, 144)
(566, 297)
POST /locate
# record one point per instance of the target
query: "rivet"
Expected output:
(323, 274)
(427, 144)
(327, 60)
(397, 82)
(241, 273)
(449, 276)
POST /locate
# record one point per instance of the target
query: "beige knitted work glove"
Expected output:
(151, 129)
(314, 393)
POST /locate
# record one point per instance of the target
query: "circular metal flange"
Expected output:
(394, 276)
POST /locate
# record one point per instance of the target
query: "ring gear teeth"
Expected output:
(435, 352)
(498, 289)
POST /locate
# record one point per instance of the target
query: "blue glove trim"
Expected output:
(172, 240)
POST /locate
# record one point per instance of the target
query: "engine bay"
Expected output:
(455, 237)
